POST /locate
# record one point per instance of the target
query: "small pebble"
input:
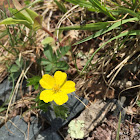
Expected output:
(128, 84)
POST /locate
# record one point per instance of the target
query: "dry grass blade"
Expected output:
(15, 92)
(65, 16)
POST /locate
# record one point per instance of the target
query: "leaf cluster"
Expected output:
(41, 104)
(16, 69)
(34, 81)
(53, 60)
(24, 16)
(60, 111)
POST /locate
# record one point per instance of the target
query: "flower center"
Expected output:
(56, 88)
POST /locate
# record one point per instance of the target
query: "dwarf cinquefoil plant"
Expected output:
(55, 94)
(56, 88)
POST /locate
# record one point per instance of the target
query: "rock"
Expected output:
(6, 88)
(48, 134)
(19, 129)
(94, 115)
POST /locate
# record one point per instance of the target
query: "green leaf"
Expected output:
(62, 65)
(41, 104)
(103, 31)
(2, 109)
(126, 10)
(18, 15)
(37, 23)
(102, 8)
(63, 51)
(60, 111)
(28, 15)
(3, 33)
(138, 103)
(27, 2)
(85, 4)
(19, 63)
(48, 68)
(34, 81)
(44, 61)
(91, 26)
(47, 40)
(22, 11)
(48, 52)
(31, 13)
(10, 21)
(14, 68)
(61, 6)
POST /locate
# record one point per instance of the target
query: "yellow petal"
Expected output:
(68, 87)
(47, 81)
(46, 96)
(60, 98)
(60, 77)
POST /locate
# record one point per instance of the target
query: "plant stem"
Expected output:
(56, 40)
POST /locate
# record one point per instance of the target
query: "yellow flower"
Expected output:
(56, 87)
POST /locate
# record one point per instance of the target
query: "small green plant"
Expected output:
(55, 93)
(16, 69)
(61, 111)
(24, 16)
(53, 60)
(34, 81)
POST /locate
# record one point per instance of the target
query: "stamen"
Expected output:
(56, 88)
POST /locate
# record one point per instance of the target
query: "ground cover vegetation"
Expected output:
(92, 43)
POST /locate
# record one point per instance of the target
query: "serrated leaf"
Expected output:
(41, 104)
(34, 81)
(63, 51)
(19, 63)
(60, 111)
(48, 52)
(48, 68)
(14, 68)
(44, 61)
(62, 65)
